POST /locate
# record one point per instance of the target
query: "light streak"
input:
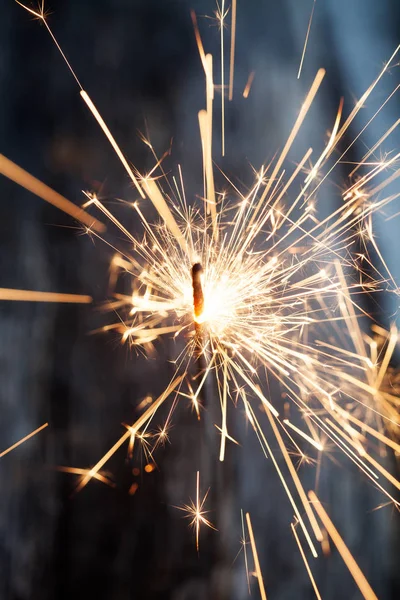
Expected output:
(245, 551)
(344, 552)
(306, 40)
(83, 472)
(248, 85)
(255, 558)
(300, 489)
(205, 124)
(309, 439)
(224, 408)
(385, 363)
(232, 53)
(40, 14)
(147, 415)
(292, 136)
(34, 296)
(85, 97)
(303, 556)
(222, 15)
(199, 42)
(383, 438)
(367, 456)
(24, 439)
(32, 184)
(378, 143)
(362, 101)
(163, 209)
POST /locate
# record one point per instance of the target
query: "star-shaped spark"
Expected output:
(195, 512)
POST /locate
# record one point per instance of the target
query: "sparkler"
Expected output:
(272, 290)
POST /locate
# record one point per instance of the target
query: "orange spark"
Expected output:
(255, 557)
(248, 85)
(133, 489)
(34, 296)
(111, 139)
(23, 440)
(30, 183)
(232, 54)
(303, 556)
(195, 511)
(344, 552)
(306, 40)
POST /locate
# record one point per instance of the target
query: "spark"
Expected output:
(383, 438)
(299, 487)
(205, 125)
(306, 40)
(163, 209)
(143, 439)
(29, 182)
(248, 85)
(196, 513)
(162, 435)
(244, 543)
(378, 143)
(85, 97)
(150, 467)
(221, 16)
(24, 439)
(307, 566)
(147, 415)
(40, 14)
(344, 552)
(199, 42)
(395, 482)
(255, 558)
(296, 127)
(35, 296)
(133, 489)
(317, 445)
(232, 53)
(83, 472)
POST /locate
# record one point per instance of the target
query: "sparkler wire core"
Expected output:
(198, 296)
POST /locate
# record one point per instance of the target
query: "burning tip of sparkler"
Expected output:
(198, 296)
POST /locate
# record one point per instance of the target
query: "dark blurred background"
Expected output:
(138, 61)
